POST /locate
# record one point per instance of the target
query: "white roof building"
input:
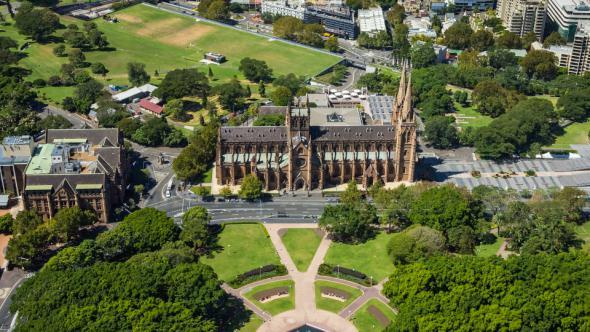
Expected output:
(135, 92)
(371, 20)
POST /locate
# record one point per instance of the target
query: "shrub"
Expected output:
(344, 273)
(263, 272)
(6, 222)
(54, 81)
(476, 174)
(530, 172)
(39, 83)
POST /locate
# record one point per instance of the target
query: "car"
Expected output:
(168, 194)
(221, 199)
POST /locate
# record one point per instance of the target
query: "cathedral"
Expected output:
(307, 154)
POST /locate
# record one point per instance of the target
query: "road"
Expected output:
(291, 209)
(75, 119)
(8, 284)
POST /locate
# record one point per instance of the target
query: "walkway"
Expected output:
(305, 311)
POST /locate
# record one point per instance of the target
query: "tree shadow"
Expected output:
(234, 314)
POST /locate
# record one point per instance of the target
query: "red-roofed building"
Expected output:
(149, 107)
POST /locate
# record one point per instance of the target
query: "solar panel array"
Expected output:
(380, 108)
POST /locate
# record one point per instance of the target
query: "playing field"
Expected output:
(164, 41)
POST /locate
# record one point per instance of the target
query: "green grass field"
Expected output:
(487, 250)
(576, 133)
(245, 247)
(164, 41)
(253, 324)
(365, 322)
(301, 243)
(370, 257)
(328, 304)
(276, 306)
(583, 232)
(469, 117)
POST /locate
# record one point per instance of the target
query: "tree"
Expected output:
(195, 159)
(401, 45)
(281, 96)
(554, 39)
(396, 14)
(287, 27)
(444, 207)
(25, 222)
(86, 94)
(351, 223)
(255, 70)
(440, 132)
(251, 188)
(352, 194)
(502, 58)
(290, 81)
(36, 23)
(174, 108)
(261, 89)
(540, 64)
(312, 35)
(67, 221)
(528, 39)
(414, 244)
(508, 40)
(195, 232)
(423, 55)
(210, 73)
(27, 250)
(451, 292)
(136, 74)
(218, 10)
(59, 50)
(99, 69)
(153, 132)
(231, 95)
(492, 99)
(54, 122)
(97, 39)
(77, 58)
(458, 36)
(181, 83)
(574, 105)
(6, 224)
(331, 44)
(482, 40)
(225, 192)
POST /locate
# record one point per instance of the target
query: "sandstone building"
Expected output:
(315, 149)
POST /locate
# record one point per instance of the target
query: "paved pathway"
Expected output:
(305, 311)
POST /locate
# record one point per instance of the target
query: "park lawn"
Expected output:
(369, 258)
(253, 324)
(165, 41)
(301, 243)
(469, 117)
(583, 232)
(487, 250)
(244, 247)
(277, 306)
(576, 133)
(334, 306)
(365, 322)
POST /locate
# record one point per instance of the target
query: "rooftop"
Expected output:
(328, 116)
(371, 19)
(17, 140)
(41, 160)
(147, 88)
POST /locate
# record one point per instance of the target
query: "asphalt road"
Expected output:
(10, 281)
(292, 209)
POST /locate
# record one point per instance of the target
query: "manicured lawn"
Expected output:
(369, 258)
(576, 133)
(366, 322)
(583, 232)
(164, 41)
(244, 247)
(301, 243)
(469, 117)
(328, 304)
(253, 324)
(276, 306)
(487, 250)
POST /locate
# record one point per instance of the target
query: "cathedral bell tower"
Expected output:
(297, 121)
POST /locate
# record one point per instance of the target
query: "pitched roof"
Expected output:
(353, 133)
(58, 180)
(148, 105)
(94, 136)
(254, 134)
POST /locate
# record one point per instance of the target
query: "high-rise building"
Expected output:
(567, 15)
(575, 56)
(523, 16)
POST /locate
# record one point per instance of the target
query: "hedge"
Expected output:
(264, 272)
(344, 273)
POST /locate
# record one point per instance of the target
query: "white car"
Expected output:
(168, 194)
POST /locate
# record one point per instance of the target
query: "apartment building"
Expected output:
(575, 57)
(15, 154)
(523, 16)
